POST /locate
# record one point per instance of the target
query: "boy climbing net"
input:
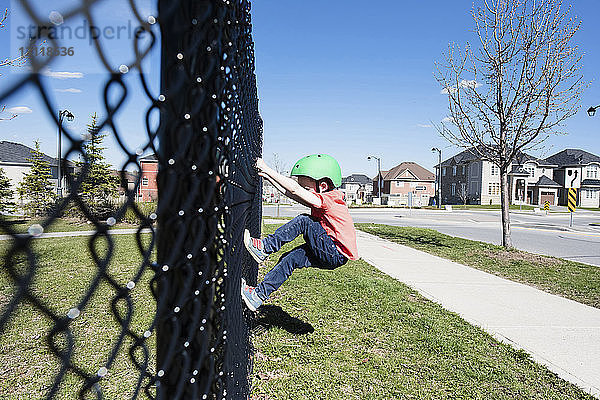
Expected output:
(329, 235)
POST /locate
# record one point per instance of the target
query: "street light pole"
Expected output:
(61, 115)
(592, 110)
(439, 171)
(379, 178)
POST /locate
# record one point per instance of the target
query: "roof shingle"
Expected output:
(11, 152)
(572, 157)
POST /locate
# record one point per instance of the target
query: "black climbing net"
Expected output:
(169, 323)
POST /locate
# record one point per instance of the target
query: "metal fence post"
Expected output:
(210, 135)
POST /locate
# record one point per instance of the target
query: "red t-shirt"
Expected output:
(337, 222)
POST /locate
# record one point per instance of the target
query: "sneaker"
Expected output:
(255, 247)
(250, 297)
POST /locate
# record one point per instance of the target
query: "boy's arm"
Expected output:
(290, 187)
(278, 186)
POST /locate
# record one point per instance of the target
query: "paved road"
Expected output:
(536, 233)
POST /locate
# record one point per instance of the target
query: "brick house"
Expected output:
(148, 190)
(405, 183)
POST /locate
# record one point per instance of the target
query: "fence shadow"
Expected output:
(269, 316)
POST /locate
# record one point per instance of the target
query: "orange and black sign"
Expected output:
(572, 199)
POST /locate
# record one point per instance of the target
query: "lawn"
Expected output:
(352, 333)
(356, 333)
(21, 224)
(65, 271)
(570, 279)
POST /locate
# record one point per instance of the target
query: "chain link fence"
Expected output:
(155, 314)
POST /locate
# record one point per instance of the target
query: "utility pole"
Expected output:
(379, 178)
(61, 115)
(439, 172)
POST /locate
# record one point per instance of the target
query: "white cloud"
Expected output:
(69, 90)
(448, 90)
(20, 110)
(469, 84)
(61, 74)
(424, 126)
(448, 119)
(472, 84)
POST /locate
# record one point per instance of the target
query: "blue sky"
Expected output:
(338, 77)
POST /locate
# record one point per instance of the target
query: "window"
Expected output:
(463, 189)
(420, 188)
(454, 170)
(144, 181)
(591, 194)
(494, 189)
(474, 170)
(464, 169)
(454, 189)
(474, 188)
(495, 170)
(592, 172)
(530, 169)
(444, 171)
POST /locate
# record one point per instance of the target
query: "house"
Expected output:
(358, 188)
(126, 182)
(587, 166)
(407, 184)
(148, 189)
(14, 161)
(270, 193)
(467, 178)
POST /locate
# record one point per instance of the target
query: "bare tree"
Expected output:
(8, 62)
(278, 164)
(463, 193)
(519, 83)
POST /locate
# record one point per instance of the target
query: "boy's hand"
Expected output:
(260, 165)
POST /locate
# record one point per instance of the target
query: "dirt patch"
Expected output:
(515, 255)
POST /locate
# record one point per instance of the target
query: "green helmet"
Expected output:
(319, 166)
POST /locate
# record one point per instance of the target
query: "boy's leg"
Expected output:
(302, 224)
(299, 257)
(321, 245)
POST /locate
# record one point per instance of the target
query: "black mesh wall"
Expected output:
(190, 255)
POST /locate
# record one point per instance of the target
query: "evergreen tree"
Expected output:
(36, 187)
(6, 193)
(99, 185)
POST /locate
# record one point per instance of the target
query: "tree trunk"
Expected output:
(505, 201)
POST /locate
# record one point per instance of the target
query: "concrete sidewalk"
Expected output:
(559, 333)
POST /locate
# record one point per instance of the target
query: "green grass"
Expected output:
(65, 270)
(375, 338)
(21, 224)
(573, 280)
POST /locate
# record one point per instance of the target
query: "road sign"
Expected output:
(546, 205)
(572, 199)
(572, 178)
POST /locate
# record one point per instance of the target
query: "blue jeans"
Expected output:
(319, 251)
